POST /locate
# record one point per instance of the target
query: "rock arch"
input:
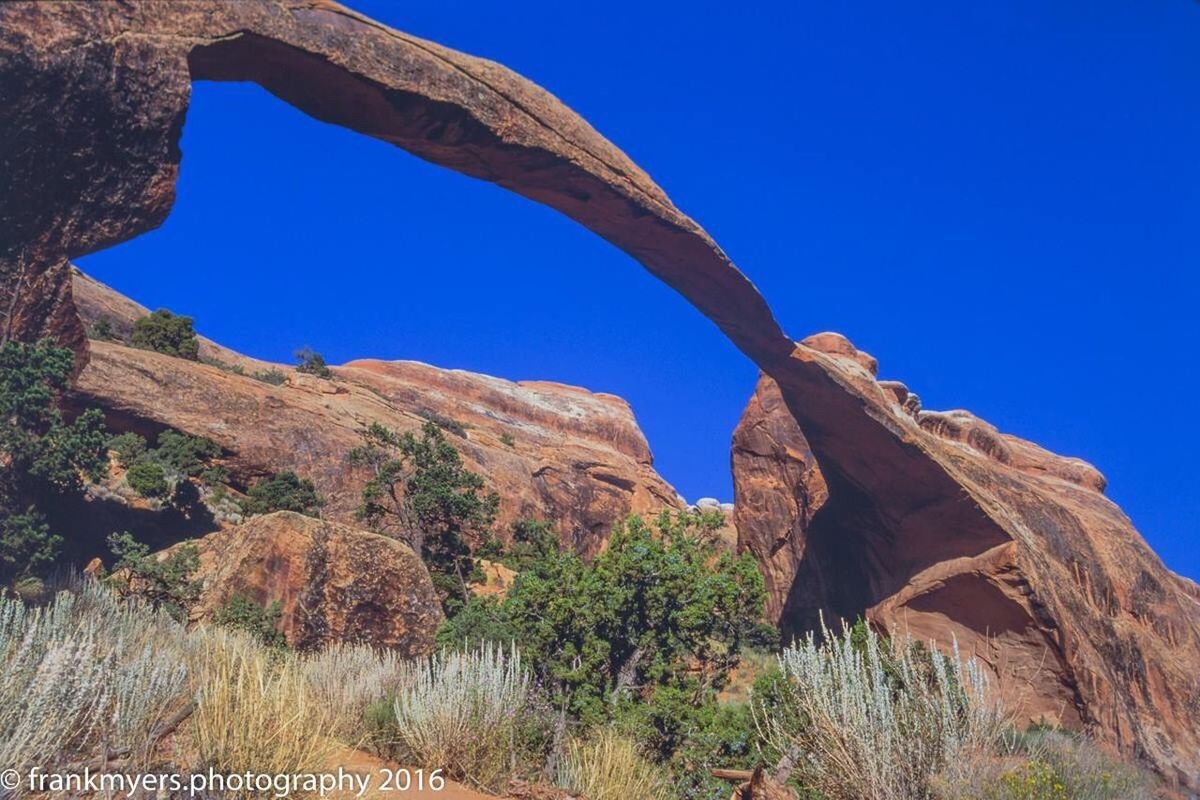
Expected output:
(93, 97)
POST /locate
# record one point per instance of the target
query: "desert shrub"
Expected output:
(102, 329)
(224, 366)
(1033, 780)
(312, 363)
(149, 479)
(448, 424)
(462, 714)
(507, 440)
(879, 721)
(272, 376)
(358, 683)
(165, 583)
(85, 671)
(166, 333)
(260, 622)
(254, 711)
(700, 739)
(128, 447)
(606, 765)
(283, 491)
(1059, 765)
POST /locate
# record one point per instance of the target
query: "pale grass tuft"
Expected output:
(880, 726)
(606, 765)
(461, 713)
(255, 711)
(349, 678)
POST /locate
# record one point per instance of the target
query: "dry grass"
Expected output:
(1049, 765)
(255, 710)
(606, 765)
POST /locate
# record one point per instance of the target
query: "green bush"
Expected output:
(148, 479)
(166, 333)
(128, 447)
(312, 363)
(166, 583)
(272, 376)
(26, 543)
(507, 440)
(284, 491)
(184, 455)
(41, 456)
(261, 622)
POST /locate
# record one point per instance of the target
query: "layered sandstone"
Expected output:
(95, 95)
(1054, 588)
(550, 451)
(333, 583)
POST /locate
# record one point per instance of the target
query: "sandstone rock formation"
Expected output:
(334, 583)
(1078, 619)
(550, 451)
(94, 97)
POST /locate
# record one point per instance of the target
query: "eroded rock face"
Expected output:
(94, 96)
(550, 451)
(1054, 589)
(334, 583)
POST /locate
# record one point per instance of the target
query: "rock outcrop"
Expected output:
(333, 583)
(1079, 621)
(94, 97)
(550, 451)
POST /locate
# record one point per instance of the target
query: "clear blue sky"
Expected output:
(999, 200)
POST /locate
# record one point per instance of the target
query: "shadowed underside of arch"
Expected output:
(92, 102)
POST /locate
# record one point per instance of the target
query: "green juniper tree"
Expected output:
(166, 582)
(312, 363)
(661, 616)
(166, 333)
(42, 457)
(420, 492)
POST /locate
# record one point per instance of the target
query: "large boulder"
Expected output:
(334, 583)
(1020, 559)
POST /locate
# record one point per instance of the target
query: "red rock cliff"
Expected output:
(1058, 593)
(550, 451)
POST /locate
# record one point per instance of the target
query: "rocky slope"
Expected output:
(95, 95)
(550, 451)
(1079, 621)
